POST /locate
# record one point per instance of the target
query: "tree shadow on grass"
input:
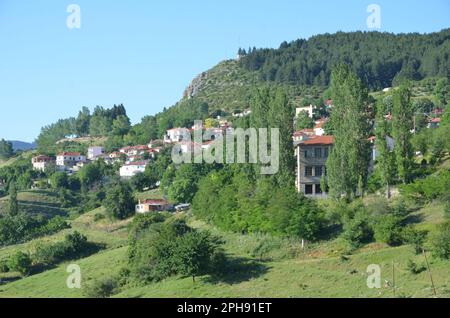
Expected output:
(330, 232)
(236, 270)
(413, 219)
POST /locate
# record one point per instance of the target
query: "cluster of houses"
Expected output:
(133, 157)
(312, 148)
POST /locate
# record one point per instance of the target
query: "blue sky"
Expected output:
(144, 53)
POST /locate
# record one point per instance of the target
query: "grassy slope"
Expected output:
(288, 272)
(315, 273)
(36, 201)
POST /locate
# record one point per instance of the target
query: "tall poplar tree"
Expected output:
(385, 159)
(348, 162)
(13, 203)
(282, 117)
(402, 124)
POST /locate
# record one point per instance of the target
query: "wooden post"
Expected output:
(429, 272)
(393, 277)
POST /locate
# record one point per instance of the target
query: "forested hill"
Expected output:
(380, 59)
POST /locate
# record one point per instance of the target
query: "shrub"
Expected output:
(74, 246)
(387, 229)
(414, 237)
(20, 262)
(358, 231)
(4, 268)
(98, 217)
(413, 268)
(440, 242)
(101, 288)
(170, 248)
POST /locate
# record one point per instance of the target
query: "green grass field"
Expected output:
(286, 271)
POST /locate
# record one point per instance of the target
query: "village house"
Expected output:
(318, 127)
(309, 109)
(42, 162)
(134, 150)
(94, 152)
(188, 146)
(176, 134)
(131, 169)
(67, 160)
(153, 206)
(303, 134)
(434, 123)
(312, 153)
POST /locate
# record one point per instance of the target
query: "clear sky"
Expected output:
(144, 53)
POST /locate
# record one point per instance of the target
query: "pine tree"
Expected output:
(347, 165)
(402, 123)
(13, 203)
(385, 158)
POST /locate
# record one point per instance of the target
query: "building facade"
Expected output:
(131, 169)
(311, 154)
(69, 159)
(94, 152)
(152, 206)
(41, 163)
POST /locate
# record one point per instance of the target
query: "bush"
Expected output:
(98, 217)
(415, 238)
(101, 288)
(387, 229)
(440, 242)
(4, 268)
(413, 268)
(168, 248)
(358, 231)
(20, 262)
(74, 246)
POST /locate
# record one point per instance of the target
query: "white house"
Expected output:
(134, 150)
(133, 168)
(69, 159)
(309, 109)
(318, 128)
(176, 134)
(94, 152)
(41, 162)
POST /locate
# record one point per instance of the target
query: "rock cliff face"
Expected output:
(195, 86)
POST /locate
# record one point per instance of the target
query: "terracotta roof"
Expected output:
(155, 202)
(319, 140)
(435, 120)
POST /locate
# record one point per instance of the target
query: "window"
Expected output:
(307, 153)
(318, 171)
(308, 171)
(308, 189)
(318, 152)
(325, 152)
(318, 189)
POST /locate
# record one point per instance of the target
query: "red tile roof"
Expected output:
(435, 120)
(319, 140)
(155, 202)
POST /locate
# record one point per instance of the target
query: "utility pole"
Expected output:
(429, 272)
(393, 277)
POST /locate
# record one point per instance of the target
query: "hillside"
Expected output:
(379, 59)
(285, 271)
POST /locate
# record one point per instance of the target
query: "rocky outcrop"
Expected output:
(195, 86)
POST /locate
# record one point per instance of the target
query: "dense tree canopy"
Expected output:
(377, 58)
